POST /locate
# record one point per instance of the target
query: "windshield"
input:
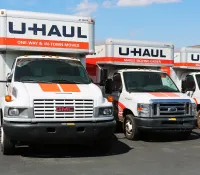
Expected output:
(148, 82)
(51, 71)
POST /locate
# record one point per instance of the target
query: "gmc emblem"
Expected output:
(64, 109)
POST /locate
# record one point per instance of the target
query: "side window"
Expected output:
(117, 82)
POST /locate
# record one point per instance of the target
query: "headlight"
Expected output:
(13, 112)
(106, 111)
(143, 110)
(17, 112)
(194, 109)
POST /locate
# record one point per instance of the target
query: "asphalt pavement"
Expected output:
(154, 155)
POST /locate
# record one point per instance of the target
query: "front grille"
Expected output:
(170, 109)
(46, 108)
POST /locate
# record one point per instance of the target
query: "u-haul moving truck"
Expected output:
(145, 97)
(186, 74)
(48, 98)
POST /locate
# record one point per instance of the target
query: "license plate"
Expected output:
(173, 119)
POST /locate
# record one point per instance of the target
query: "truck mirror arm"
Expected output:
(4, 81)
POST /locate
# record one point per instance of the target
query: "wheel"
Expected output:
(7, 146)
(104, 145)
(198, 119)
(130, 129)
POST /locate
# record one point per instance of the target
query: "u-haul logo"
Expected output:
(142, 52)
(195, 57)
(66, 31)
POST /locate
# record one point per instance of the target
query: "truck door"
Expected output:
(116, 92)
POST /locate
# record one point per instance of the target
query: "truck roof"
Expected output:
(135, 42)
(45, 16)
(35, 31)
(190, 49)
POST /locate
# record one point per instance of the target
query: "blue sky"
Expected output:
(176, 21)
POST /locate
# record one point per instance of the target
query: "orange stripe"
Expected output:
(157, 94)
(187, 64)
(43, 43)
(169, 94)
(69, 87)
(163, 94)
(131, 60)
(195, 100)
(49, 87)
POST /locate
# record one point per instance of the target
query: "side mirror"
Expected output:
(103, 77)
(108, 86)
(188, 86)
(9, 78)
(102, 83)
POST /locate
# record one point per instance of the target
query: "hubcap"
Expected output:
(128, 127)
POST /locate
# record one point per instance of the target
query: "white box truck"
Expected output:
(186, 74)
(145, 97)
(46, 94)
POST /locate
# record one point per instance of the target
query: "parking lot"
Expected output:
(154, 155)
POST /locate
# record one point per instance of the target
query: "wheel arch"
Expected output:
(127, 111)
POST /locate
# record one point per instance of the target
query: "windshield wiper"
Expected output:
(35, 81)
(66, 81)
(51, 81)
(165, 90)
(135, 89)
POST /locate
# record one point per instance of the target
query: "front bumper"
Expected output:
(55, 133)
(165, 124)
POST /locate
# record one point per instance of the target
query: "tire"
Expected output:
(7, 146)
(198, 119)
(131, 131)
(104, 145)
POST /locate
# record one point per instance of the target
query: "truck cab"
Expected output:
(46, 94)
(186, 74)
(146, 99)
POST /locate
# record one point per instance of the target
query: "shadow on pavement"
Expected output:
(169, 137)
(68, 151)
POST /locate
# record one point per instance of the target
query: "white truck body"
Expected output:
(34, 106)
(186, 70)
(164, 109)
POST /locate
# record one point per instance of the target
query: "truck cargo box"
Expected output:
(33, 31)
